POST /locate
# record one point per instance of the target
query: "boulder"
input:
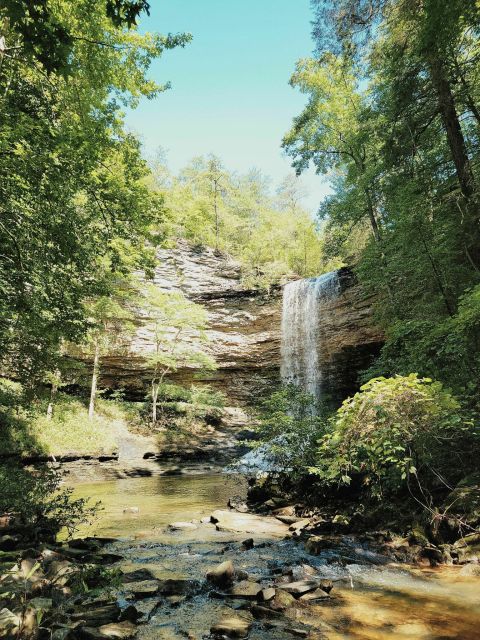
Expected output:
(179, 587)
(182, 526)
(299, 587)
(248, 523)
(139, 575)
(222, 575)
(95, 617)
(316, 544)
(246, 590)
(299, 525)
(142, 589)
(317, 594)
(267, 594)
(122, 630)
(282, 600)
(231, 627)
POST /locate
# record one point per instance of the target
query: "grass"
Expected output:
(26, 430)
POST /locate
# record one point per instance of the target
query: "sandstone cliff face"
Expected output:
(244, 328)
(349, 340)
(244, 331)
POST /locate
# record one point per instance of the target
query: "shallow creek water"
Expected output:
(372, 600)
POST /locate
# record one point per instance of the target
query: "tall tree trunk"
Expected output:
(451, 123)
(53, 393)
(155, 390)
(372, 217)
(93, 390)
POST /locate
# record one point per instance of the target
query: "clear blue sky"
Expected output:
(230, 93)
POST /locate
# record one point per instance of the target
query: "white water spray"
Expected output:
(303, 304)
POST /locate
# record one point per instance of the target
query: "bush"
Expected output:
(38, 502)
(26, 429)
(290, 427)
(397, 433)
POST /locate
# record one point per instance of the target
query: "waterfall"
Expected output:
(303, 305)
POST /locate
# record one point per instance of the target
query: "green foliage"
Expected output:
(290, 423)
(178, 337)
(393, 119)
(397, 433)
(75, 205)
(270, 235)
(38, 500)
(27, 430)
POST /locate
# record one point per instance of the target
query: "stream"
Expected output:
(371, 599)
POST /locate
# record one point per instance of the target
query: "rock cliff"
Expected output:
(244, 328)
(244, 331)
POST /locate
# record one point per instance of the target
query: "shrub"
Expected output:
(397, 433)
(38, 502)
(290, 427)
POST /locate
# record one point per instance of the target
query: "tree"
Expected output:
(178, 328)
(74, 203)
(111, 323)
(333, 130)
(290, 193)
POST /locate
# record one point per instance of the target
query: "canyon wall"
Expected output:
(244, 331)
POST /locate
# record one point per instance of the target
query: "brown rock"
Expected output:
(231, 627)
(122, 630)
(222, 575)
(299, 587)
(245, 589)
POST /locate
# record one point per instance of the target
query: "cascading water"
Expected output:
(303, 304)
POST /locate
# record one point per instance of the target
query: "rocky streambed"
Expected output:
(189, 567)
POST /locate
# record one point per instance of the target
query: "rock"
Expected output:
(260, 611)
(248, 523)
(316, 544)
(59, 571)
(178, 587)
(472, 570)
(122, 630)
(245, 589)
(297, 632)
(142, 589)
(222, 575)
(63, 633)
(317, 594)
(282, 600)
(288, 519)
(140, 611)
(245, 330)
(238, 504)
(139, 575)
(182, 526)
(285, 511)
(267, 594)
(418, 536)
(299, 525)
(326, 585)
(231, 627)
(97, 616)
(248, 544)
(131, 510)
(89, 633)
(299, 587)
